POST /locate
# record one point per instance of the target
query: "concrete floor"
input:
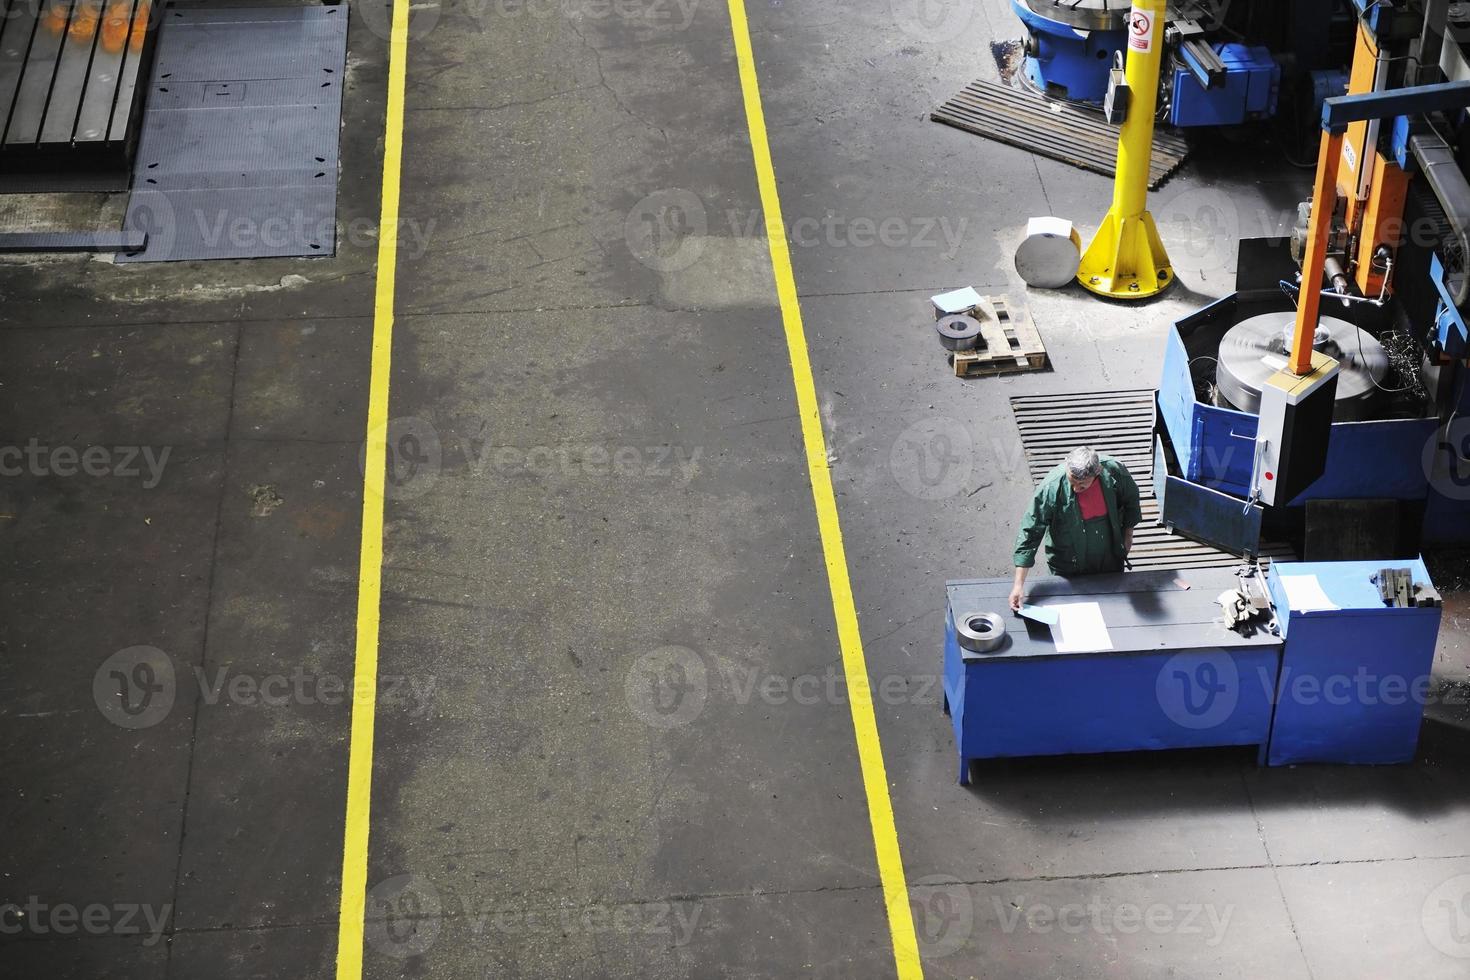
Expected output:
(600, 550)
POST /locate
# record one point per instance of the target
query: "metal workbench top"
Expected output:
(1145, 612)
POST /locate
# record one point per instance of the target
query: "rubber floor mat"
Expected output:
(238, 153)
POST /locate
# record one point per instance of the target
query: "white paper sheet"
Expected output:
(1304, 593)
(1082, 629)
(1040, 615)
(958, 301)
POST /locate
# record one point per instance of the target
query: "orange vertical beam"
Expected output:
(1319, 229)
(1383, 222)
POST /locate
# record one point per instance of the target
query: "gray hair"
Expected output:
(1083, 462)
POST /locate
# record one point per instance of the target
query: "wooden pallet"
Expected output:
(1009, 343)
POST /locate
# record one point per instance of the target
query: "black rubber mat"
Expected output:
(1027, 119)
(1118, 424)
(238, 155)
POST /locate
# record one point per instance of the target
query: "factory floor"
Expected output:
(613, 737)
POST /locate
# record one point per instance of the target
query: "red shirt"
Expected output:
(1092, 502)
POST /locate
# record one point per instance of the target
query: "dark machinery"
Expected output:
(1385, 248)
(1223, 65)
(70, 94)
(1226, 60)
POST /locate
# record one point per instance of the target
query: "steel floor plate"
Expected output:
(1030, 121)
(238, 155)
(1118, 424)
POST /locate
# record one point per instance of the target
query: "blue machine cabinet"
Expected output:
(1175, 678)
(1249, 90)
(1353, 680)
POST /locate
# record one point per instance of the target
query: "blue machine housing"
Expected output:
(1069, 62)
(1250, 90)
(1215, 446)
(1378, 460)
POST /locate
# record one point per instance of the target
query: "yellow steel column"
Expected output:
(1126, 259)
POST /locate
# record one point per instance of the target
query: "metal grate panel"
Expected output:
(1028, 120)
(239, 151)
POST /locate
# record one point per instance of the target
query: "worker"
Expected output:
(1087, 508)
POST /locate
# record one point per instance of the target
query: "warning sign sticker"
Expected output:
(1141, 30)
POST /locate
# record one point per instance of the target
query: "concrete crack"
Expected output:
(602, 80)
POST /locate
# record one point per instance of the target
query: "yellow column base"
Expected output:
(1126, 260)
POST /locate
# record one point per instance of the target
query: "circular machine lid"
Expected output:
(1088, 15)
(1255, 349)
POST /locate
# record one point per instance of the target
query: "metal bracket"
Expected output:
(1120, 96)
(1452, 334)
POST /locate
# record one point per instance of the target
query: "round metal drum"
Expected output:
(1255, 349)
(1050, 254)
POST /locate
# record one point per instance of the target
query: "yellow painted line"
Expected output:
(854, 664)
(370, 560)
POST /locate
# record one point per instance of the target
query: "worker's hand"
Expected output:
(1018, 597)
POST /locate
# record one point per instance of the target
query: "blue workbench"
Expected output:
(1354, 680)
(1175, 678)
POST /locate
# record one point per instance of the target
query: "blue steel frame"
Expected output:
(1448, 321)
(1344, 110)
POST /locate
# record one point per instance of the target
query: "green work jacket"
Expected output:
(1073, 549)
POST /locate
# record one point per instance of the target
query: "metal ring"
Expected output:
(981, 632)
(959, 332)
